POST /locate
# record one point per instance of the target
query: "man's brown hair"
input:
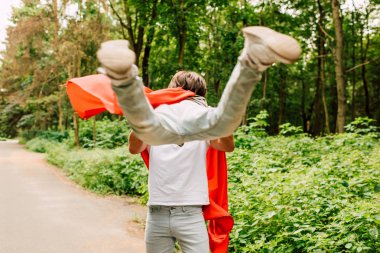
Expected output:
(189, 80)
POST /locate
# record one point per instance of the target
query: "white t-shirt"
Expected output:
(177, 174)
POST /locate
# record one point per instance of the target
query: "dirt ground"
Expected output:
(42, 211)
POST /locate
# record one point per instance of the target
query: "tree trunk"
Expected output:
(363, 56)
(139, 44)
(321, 115)
(305, 119)
(149, 40)
(263, 101)
(265, 84)
(179, 9)
(76, 129)
(339, 73)
(56, 23)
(323, 89)
(282, 96)
(60, 111)
(136, 44)
(317, 113)
(366, 92)
(94, 132)
(182, 35)
(56, 42)
(145, 63)
(128, 25)
(353, 60)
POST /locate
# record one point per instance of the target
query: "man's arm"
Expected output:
(262, 48)
(225, 144)
(135, 145)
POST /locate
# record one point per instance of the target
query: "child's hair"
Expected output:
(189, 80)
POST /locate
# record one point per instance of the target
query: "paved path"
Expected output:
(41, 211)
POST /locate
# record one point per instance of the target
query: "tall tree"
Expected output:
(282, 95)
(320, 111)
(137, 21)
(339, 67)
(364, 45)
(151, 29)
(181, 27)
(353, 61)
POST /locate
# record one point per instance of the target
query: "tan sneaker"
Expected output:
(116, 59)
(264, 46)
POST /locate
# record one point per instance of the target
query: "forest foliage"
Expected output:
(336, 79)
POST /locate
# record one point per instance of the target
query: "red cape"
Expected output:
(91, 95)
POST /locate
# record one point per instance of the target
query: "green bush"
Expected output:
(108, 134)
(50, 135)
(25, 136)
(298, 194)
(259, 124)
(246, 135)
(40, 145)
(362, 125)
(103, 171)
(27, 121)
(9, 116)
(58, 136)
(287, 194)
(288, 129)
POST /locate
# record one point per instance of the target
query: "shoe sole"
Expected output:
(116, 56)
(285, 48)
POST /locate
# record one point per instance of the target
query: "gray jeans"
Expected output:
(167, 224)
(211, 124)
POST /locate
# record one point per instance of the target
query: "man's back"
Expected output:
(178, 115)
(177, 173)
